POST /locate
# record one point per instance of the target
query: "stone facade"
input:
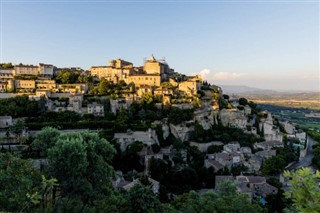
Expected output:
(25, 84)
(145, 79)
(124, 139)
(5, 121)
(233, 118)
(190, 86)
(118, 104)
(250, 185)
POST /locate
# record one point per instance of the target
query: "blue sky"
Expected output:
(272, 45)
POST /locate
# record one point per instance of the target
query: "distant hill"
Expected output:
(239, 89)
(291, 98)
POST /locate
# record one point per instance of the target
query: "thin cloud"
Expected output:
(205, 73)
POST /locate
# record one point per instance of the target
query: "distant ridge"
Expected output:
(241, 89)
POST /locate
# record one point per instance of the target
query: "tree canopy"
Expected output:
(18, 179)
(304, 190)
(82, 164)
(45, 140)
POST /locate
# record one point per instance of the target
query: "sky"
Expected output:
(264, 44)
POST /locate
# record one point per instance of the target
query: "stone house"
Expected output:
(7, 73)
(25, 84)
(144, 89)
(232, 147)
(46, 84)
(271, 132)
(190, 86)
(245, 150)
(95, 109)
(252, 162)
(288, 127)
(203, 147)
(116, 71)
(124, 139)
(5, 121)
(145, 79)
(301, 136)
(73, 88)
(233, 118)
(162, 91)
(120, 103)
(267, 145)
(155, 185)
(223, 159)
(253, 186)
(266, 154)
(214, 164)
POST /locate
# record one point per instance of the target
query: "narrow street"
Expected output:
(304, 161)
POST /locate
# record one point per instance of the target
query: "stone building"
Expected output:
(152, 73)
(25, 84)
(5, 121)
(124, 139)
(46, 84)
(73, 88)
(41, 69)
(145, 79)
(45, 69)
(116, 71)
(22, 69)
(95, 109)
(233, 118)
(190, 86)
(158, 67)
(7, 73)
(267, 145)
(121, 103)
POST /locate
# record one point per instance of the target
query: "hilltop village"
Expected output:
(176, 132)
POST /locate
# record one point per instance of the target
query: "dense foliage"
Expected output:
(19, 106)
(18, 181)
(304, 190)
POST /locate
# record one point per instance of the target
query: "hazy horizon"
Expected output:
(268, 45)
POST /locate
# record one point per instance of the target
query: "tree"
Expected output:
(6, 65)
(230, 201)
(158, 168)
(141, 199)
(17, 179)
(226, 97)
(122, 120)
(304, 190)
(199, 133)
(67, 77)
(167, 85)
(19, 106)
(103, 87)
(146, 98)
(177, 116)
(82, 164)
(45, 140)
(142, 114)
(226, 199)
(17, 129)
(273, 165)
(243, 101)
